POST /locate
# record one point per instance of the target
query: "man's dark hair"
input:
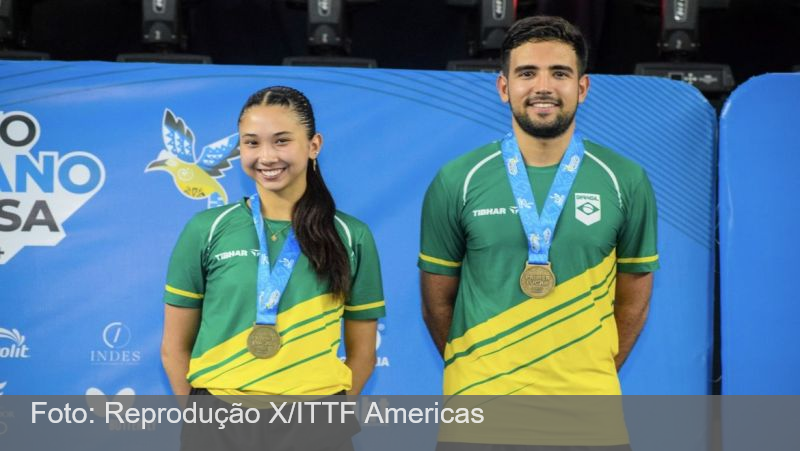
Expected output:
(541, 29)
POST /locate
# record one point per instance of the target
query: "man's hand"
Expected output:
(438, 298)
(630, 310)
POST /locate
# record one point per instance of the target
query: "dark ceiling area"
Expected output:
(752, 36)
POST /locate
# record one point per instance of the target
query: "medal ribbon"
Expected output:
(271, 283)
(540, 230)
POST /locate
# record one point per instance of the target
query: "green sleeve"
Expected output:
(366, 291)
(442, 240)
(186, 274)
(636, 251)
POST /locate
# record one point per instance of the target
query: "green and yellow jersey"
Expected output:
(501, 341)
(214, 267)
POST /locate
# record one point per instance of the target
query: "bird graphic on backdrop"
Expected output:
(196, 178)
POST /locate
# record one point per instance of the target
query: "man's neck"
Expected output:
(543, 152)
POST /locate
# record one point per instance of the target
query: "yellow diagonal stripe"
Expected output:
(439, 261)
(562, 293)
(495, 347)
(318, 336)
(184, 293)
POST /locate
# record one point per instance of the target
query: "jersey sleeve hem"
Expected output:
(436, 265)
(638, 264)
(182, 298)
(371, 310)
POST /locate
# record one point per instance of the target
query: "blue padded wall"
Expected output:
(80, 298)
(760, 315)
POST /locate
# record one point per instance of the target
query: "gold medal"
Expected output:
(537, 281)
(263, 341)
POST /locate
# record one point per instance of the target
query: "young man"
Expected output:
(537, 250)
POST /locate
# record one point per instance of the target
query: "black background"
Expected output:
(753, 36)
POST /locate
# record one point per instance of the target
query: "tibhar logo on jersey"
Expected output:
(116, 337)
(236, 253)
(499, 211)
(18, 349)
(196, 178)
(587, 208)
(489, 211)
(37, 194)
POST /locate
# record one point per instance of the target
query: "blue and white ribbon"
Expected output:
(540, 230)
(271, 283)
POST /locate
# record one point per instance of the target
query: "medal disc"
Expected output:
(537, 281)
(264, 341)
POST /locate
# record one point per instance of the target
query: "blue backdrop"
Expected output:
(760, 315)
(87, 232)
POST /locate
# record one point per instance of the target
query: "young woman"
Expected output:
(236, 323)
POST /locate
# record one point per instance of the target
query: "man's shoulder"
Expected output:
(461, 166)
(612, 161)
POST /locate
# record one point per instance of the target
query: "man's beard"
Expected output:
(544, 131)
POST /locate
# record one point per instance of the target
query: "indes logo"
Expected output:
(196, 178)
(37, 194)
(17, 349)
(116, 337)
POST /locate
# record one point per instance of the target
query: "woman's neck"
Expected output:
(278, 205)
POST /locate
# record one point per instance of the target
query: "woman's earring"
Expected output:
(315, 165)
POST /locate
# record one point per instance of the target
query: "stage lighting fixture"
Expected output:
(162, 32)
(708, 78)
(475, 65)
(679, 44)
(160, 23)
(6, 21)
(679, 26)
(330, 61)
(495, 17)
(10, 41)
(327, 34)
